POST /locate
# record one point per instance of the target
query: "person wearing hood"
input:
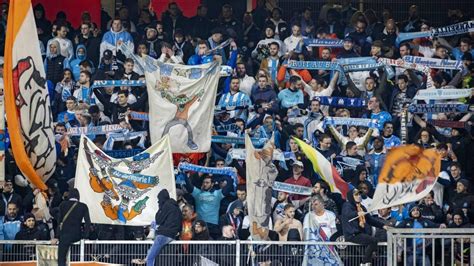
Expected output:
(168, 220)
(416, 221)
(115, 37)
(359, 230)
(54, 63)
(31, 230)
(234, 216)
(81, 56)
(71, 214)
(181, 47)
(152, 42)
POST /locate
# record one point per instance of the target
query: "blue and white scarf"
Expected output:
(91, 130)
(434, 62)
(341, 101)
(455, 29)
(229, 171)
(350, 121)
(438, 108)
(323, 42)
(238, 140)
(292, 189)
(123, 153)
(118, 83)
(112, 137)
(141, 116)
(442, 94)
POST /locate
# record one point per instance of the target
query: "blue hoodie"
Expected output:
(74, 64)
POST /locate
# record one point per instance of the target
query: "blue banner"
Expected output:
(341, 101)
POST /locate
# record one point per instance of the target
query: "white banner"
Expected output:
(261, 172)
(181, 102)
(124, 191)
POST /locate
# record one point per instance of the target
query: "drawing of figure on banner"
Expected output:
(182, 103)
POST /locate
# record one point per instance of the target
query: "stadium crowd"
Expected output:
(278, 102)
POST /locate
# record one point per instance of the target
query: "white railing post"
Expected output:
(82, 249)
(390, 250)
(237, 253)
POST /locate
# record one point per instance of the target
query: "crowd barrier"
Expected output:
(403, 247)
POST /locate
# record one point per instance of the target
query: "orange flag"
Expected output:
(27, 102)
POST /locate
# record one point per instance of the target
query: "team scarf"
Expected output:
(448, 123)
(438, 108)
(323, 42)
(350, 121)
(319, 65)
(220, 46)
(434, 62)
(113, 137)
(228, 171)
(281, 157)
(141, 116)
(226, 128)
(364, 63)
(406, 65)
(341, 101)
(292, 189)
(118, 83)
(94, 130)
(238, 140)
(442, 94)
(455, 29)
(123, 153)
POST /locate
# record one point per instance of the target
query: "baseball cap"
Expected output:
(298, 163)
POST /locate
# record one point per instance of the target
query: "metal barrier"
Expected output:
(427, 246)
(194, 252)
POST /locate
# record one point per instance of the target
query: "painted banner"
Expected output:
(442, 94)
(124, 191)
(181, 100)
(261, 172)
(408, 174)
(27, 102)
(292, 189)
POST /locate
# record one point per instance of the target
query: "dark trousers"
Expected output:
(63, 248)
(366, 240)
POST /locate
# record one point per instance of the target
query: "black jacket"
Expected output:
(349, 211)
(72, 224)
(169, 217)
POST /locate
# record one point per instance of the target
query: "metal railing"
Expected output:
(223, 253)
(404, 246)
(427, 246)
